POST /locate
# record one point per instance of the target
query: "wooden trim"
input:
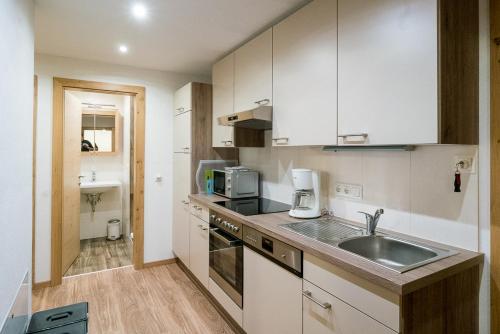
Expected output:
(41, 285)
(159, 263)
(495, 167)
(138, 99)
(33, 185)
(223, 313)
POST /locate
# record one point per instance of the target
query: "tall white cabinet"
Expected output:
(192, 129)
(305, 76)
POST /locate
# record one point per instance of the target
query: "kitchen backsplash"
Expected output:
(415, 188)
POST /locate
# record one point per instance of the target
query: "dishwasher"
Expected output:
(272, 287)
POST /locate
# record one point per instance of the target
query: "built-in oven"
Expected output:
(226, 255)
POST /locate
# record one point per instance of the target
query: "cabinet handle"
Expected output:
(227, 142)
(262, 102)
(281, 141)
(199, 208)
(308, 295)
(354, 137)
(184, 202)
(203, 228)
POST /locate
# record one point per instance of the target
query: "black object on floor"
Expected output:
(76, 328)
(43, 321)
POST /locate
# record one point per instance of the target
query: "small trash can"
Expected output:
(47, 321)
(114, 229)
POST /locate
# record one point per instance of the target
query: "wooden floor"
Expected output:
(155, 300)
(101, 254)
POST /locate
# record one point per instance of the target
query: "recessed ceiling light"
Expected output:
(123, 48)
(139, 11)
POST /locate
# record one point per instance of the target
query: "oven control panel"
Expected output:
(288, 256)
(227, 224)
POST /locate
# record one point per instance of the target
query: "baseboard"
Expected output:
(41, 285)
(226, 316)
(159, 263)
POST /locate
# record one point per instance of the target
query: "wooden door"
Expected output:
(334, 316)
(180, 224)
(272, 300)
(223, 101)
(182, 132)
(198, 249)
(253, 73)
(387, 72)
(305, 76)
(71, 186)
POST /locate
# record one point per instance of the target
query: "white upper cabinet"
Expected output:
(182, 132)
(182, 99)
(305, 76)
(253, 75)
(387, 72)
(223, 100)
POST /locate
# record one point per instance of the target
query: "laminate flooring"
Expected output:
(101, 254)
(156, 300)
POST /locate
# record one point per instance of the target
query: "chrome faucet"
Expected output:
(372, 221)
(93, 176)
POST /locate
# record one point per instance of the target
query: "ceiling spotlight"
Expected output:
(139, 11)
(123, 48)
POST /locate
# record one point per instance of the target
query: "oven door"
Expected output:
(220, 182)
(226, 263)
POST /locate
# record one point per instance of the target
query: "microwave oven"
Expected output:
(236, 182)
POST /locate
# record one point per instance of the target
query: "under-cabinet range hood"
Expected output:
(260, 118)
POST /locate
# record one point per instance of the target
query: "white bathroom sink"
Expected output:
(89, 187)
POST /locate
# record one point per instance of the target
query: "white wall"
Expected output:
(160, 87)
(116, 202)
(16, 119)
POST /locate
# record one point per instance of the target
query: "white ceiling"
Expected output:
(185, 36)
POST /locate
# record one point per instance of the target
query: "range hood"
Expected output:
(260, 118)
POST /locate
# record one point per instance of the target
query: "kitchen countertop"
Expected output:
(400, 284)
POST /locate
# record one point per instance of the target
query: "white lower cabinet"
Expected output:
(323, 313)
(272, 300)
(198, 249)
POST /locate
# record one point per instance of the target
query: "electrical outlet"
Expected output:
(349, 190)
(465, 164)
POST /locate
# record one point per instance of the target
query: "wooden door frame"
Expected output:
(495, 167)
(60, 85)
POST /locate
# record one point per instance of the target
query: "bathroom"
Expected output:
(104, 230)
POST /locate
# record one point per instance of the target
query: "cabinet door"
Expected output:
(388, 72)
(253, 73)
(305, 76)
(182, 99)
(272, 300)
(223, 101)
(325, 314)
(198, 249)
(182, 132)
(180, 224)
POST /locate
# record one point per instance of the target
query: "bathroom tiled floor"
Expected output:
(100, 254)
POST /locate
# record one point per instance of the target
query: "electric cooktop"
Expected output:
(254, 206)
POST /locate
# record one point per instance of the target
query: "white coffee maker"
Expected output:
(305, 199)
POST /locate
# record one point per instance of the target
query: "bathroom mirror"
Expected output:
(99, 132)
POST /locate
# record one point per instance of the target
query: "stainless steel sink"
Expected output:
(396, 254)
(390, 252)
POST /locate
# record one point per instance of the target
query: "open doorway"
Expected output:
(98, 177)
(96, 226)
